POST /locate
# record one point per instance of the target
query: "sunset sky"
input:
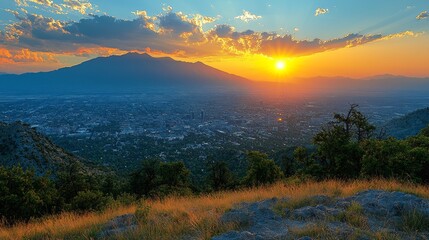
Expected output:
(250, 38)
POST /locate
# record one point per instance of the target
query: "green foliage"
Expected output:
(392, 158)
(425, 132)
(261, 170)
(339, 145)
(25, 195)
(145, 180)
(158, 179)
(89, 201)
(72, 179)
(219, 176)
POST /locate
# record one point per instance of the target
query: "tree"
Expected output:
(219, 176)
(339, 144)
(71, 179)
(261, 170)
(144, 181)
(174, 179)
(25, 195)
(158, 179)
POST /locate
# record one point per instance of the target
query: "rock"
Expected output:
(305, 238)
(235, 235)
(257, 220)
(382, 210)
(385, 209)
(119, 225)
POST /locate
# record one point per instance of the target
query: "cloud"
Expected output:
(321, 11)
(24, 56)
(77, 5)
(55, 8)
(247, 16)
(288, 46)
(169, 33)
(422, 15)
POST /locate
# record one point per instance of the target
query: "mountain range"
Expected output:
(137, 73)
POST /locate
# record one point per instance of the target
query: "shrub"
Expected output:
(25, 195)
(89, 201)
(261, 170)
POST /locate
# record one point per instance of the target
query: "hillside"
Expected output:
(131, 72)
(409, 124)
(364, 209)
(22, 145)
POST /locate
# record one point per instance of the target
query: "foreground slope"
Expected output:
(203, 217)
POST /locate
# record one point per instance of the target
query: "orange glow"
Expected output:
(280, 65)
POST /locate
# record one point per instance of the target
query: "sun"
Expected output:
(280, 65)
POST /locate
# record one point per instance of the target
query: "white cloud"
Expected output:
(321, 11)
(78, 5)
(422, 15)
(247, 16)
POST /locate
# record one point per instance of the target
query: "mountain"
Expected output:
(409, 124)
(377, 84)
(22, 145)
(131, 72)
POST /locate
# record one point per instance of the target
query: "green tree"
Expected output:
(89, 201)
(71, 179)
(219, 176)
(158, 179)
(146, 179)
(261, 170)
(339, 144)
(174, 179)
(25, 195)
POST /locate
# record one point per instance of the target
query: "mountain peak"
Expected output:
(136, 54)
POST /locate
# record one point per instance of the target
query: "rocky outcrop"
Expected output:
(365, 215)
(118, 226)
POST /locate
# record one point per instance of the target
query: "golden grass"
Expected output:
(63, 225)
(195, 217)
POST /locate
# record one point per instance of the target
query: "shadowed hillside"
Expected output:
(409, 124)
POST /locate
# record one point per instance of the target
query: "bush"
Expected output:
(261, 170)
(157, 179)
(25, 195)
(89, 201)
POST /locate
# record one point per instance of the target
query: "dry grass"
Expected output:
(194, 217)
(65, 225)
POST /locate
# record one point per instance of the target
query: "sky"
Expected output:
(244, 37)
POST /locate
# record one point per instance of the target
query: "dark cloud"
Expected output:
(107, 27)
(177, 23)
(288, 46)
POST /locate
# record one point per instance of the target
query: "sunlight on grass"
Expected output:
(196, 217)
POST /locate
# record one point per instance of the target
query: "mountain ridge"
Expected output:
(20, 144)
(129, 72)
